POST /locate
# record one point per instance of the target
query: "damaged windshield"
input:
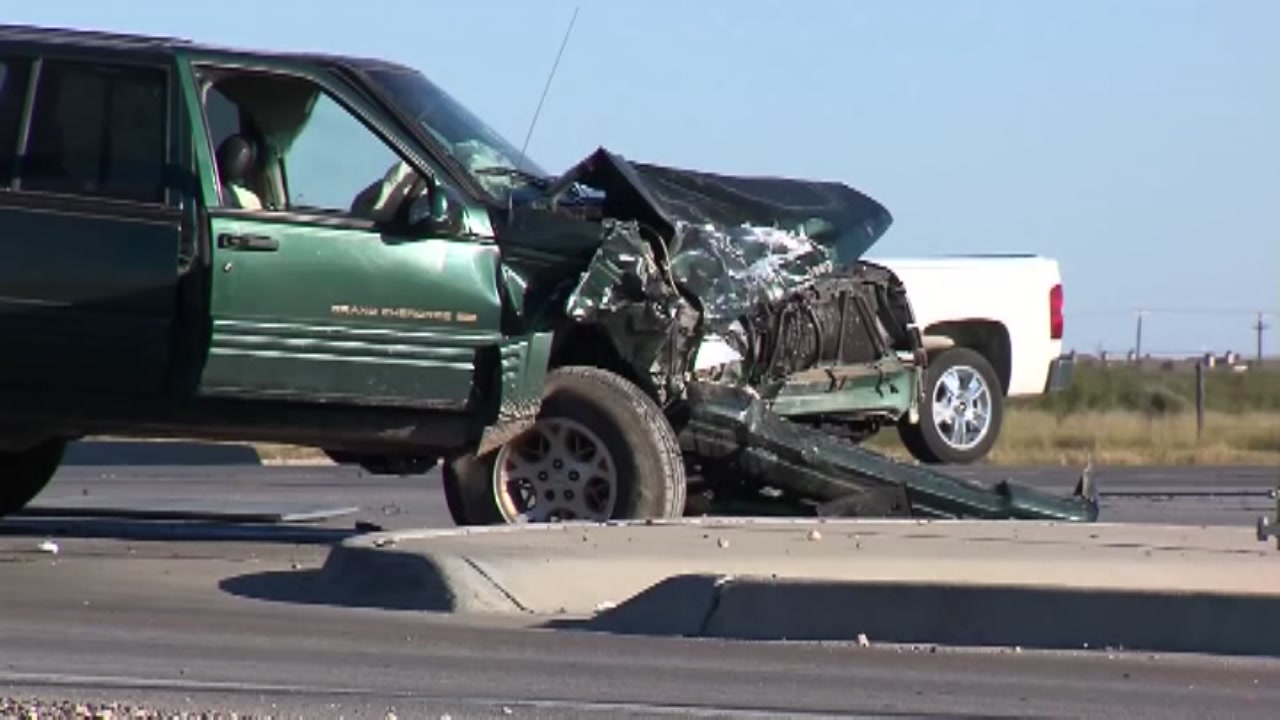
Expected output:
(490, 158)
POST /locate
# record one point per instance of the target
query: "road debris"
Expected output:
(33, 709)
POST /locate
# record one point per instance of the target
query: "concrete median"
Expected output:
(1035, 585)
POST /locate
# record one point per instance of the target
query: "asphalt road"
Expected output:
(1184, 495)
(201, 616)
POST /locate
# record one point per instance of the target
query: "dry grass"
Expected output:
(1037, 437)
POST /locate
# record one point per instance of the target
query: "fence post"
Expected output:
(1199, 399)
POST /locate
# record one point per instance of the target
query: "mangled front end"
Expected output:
(745, 305)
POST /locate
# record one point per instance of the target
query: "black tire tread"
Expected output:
(669, 456)
(25, 474)
(912, 438)
(467, 478)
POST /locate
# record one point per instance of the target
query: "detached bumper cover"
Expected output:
(731, 424)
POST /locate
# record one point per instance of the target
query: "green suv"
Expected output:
(332, 252)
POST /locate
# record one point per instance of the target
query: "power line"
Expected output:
(1160, 353)
(1117, 312)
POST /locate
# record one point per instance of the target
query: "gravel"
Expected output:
(29, 709)
(13, 708)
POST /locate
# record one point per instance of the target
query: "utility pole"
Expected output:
(1260, 327)
(1137, 346)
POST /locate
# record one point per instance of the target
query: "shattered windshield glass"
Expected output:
(493, 161)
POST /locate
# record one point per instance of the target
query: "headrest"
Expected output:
(236, 158)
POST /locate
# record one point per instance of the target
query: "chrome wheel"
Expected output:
(557, 471)
(962, 407)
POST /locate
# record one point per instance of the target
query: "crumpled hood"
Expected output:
(835, 215)
(734, 242)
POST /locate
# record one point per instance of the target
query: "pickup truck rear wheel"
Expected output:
(962, 412)
(25, 473)
(601, 450)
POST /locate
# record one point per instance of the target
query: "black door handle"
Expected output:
(260, 243)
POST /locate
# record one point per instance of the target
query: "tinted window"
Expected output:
(223, 116)
(13, 92)
(98, 130)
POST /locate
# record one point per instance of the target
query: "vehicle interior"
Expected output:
(272, 138)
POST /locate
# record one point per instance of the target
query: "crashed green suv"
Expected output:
(331, 251)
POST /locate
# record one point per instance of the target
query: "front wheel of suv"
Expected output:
(25, 473)
(600, 450)
(961, 413)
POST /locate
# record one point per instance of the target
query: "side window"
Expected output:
(321, 178)
(284, 143)
(13, 93)
(98, 130)
(224, 117)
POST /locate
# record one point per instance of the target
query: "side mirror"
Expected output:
(435, 211)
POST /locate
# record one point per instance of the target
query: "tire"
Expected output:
(582, 407)
(926, 441)
(402, 465)
(25, 473)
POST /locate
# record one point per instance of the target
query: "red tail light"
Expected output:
(1055, 312)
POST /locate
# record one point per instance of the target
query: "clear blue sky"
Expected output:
(1138, 142)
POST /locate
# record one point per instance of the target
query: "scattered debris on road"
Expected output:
(31, 709)
(1270, 527)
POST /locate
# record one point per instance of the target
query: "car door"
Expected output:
(311, 299)
(90, 230)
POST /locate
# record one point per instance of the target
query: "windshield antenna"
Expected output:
(547, 87)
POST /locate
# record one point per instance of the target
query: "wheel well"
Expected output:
(988, 338)
(589, 345)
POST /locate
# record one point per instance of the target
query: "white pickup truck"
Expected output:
(993, 328)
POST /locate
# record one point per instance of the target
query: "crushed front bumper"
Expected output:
(730, 425)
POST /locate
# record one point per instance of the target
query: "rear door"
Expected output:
(312, 299)
(90, 228)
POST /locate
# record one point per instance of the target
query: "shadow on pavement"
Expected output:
(138, 453)
(404, 582)
(174, 531)
(679, 606)
(922, 613)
